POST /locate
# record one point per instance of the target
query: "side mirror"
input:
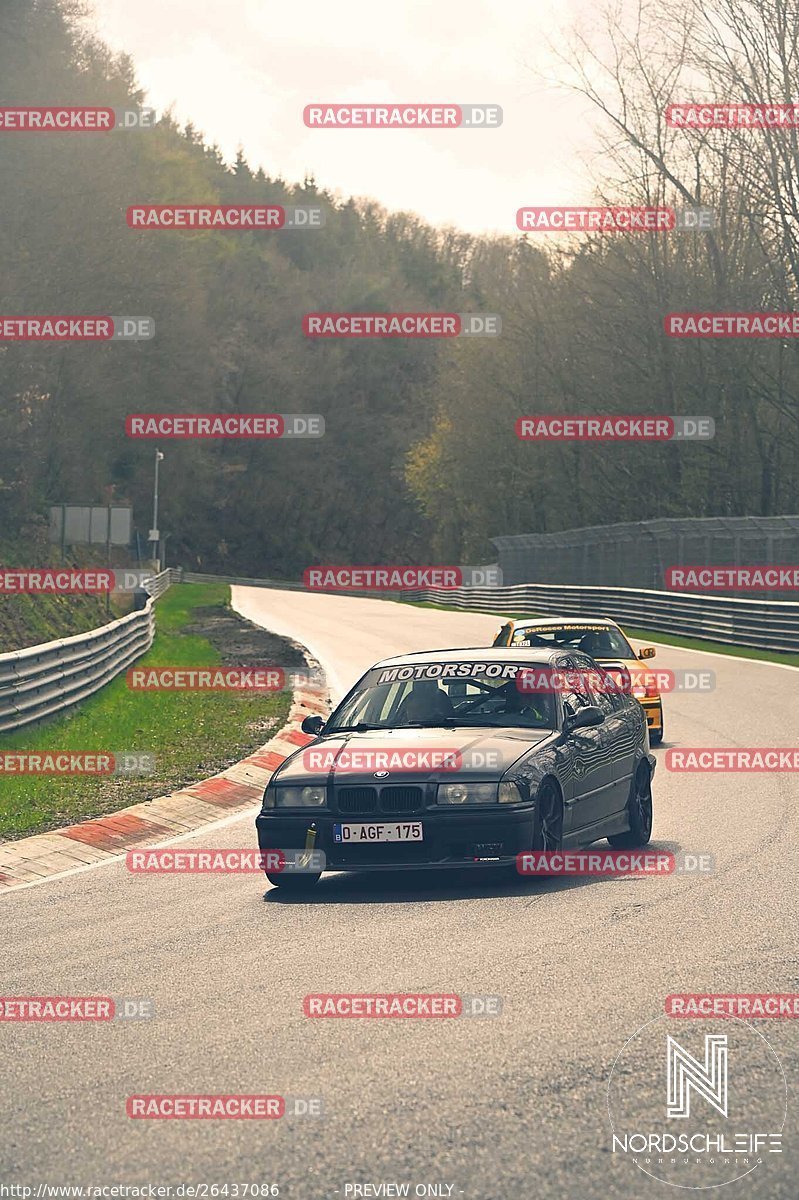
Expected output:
(646, 652)
(590, 715)
(313, 725)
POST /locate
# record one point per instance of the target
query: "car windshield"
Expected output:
(432, 694)
(600, 641)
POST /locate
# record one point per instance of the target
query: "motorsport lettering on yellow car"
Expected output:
(585, 628)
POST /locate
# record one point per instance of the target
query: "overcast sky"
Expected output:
(243, 70)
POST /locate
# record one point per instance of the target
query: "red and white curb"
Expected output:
(235, 790)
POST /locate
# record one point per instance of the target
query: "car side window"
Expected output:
(603, 695)
(616, 693)
(603, 700)
(575, 694)
(601, 687)
(616, 696)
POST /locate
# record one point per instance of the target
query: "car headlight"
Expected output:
(509, 793)
(466, 793)
(295, 797)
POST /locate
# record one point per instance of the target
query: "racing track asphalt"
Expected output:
(500, 1107)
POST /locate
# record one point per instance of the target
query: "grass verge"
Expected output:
(192, 734)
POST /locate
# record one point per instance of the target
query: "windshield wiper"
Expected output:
(465, 721)
(361, 727)
(505, 725)
(439, 723)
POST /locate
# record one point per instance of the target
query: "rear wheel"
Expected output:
(549, 817)
(639, 811)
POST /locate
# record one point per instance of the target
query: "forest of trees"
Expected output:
(420, 461)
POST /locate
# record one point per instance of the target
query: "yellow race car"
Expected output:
(605, 642)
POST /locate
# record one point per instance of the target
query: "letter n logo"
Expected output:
(686, 1072)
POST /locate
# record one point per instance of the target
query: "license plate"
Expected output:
(391, 831)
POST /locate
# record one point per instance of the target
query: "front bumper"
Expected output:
(451, 839)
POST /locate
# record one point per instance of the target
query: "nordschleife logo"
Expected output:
(701, 1110)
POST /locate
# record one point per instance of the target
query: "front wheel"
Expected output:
(294, 883)
(639, 811)
(655, 738)
(548, 817)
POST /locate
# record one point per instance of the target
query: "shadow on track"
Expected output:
(450, 883)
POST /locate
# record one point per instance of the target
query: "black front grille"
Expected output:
(401, 799)
(363, 801)
(360, 800)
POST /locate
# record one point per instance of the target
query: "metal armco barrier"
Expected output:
(43, 680)
(156, 585)
(762, 624)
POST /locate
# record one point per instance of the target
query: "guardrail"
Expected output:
(43, 680)
(156, 585)
(761, 624)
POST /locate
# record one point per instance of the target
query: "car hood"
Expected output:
(411, 755)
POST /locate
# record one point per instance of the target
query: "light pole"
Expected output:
(155, 536)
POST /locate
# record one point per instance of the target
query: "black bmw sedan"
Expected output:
(469, 757)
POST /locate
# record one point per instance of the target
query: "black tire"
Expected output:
(639, 810)
(548, 817)
(656, 738)
(303, 882)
